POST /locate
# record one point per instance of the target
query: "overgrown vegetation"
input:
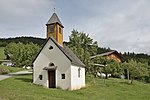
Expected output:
(21, 87)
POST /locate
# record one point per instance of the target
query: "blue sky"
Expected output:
(123, 25)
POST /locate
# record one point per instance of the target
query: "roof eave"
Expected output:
(55, 23)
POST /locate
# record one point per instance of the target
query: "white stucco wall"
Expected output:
(76, 81)
(59, 59)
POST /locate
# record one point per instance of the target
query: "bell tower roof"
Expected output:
(54, 19)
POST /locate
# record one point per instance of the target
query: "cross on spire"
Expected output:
(54, 10)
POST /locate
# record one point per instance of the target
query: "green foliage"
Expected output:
(19, 87)
(3, 44)
(24, 40)
(2, 55)
(110, 67)
(143, 58)
(83, 46)
(22, 54)
(4, 71)
(137, 70)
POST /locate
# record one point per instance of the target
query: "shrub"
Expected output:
(4, 71)
(147, 79)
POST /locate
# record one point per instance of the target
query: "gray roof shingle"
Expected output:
(54, 19)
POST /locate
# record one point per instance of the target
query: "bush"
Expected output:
(4, 71)
(147, 79)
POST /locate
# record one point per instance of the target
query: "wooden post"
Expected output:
(128, 75)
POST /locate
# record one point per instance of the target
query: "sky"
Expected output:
(122, 25)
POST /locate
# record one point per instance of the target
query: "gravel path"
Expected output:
(2, 77)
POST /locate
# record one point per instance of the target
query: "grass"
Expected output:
(20, 87)
(11, 69)
(2, 55)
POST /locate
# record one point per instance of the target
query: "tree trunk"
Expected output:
(131, 80)
(106, 75)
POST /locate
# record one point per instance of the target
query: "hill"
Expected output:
(5, 41)
(141, 57)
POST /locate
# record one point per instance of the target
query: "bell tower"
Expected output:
(55, 29)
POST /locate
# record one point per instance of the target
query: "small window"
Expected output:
(51, 47)
(62, 76)
(51, 28)
(79, 72)
(51, 64)
(40, 77)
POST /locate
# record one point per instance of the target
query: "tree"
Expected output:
(97, 65)
(136, 69)
(21, 54)
(112, 67)
(107, 66)
(83, 46)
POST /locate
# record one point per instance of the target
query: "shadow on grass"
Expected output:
(24, 79)
(128, 83)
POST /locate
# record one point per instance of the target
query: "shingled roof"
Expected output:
(54, 19)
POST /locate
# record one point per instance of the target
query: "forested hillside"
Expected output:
(40, 41)
(25, 40)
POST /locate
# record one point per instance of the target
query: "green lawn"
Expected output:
(20, 87)
(2, 55)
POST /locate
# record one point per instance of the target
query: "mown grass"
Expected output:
(21, 87)
(11, 69)
(2, 55)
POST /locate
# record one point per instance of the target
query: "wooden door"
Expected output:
(51, 78)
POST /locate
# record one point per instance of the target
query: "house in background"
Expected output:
(110, 55)
(56, 65)
(114, 55)
(6, 62)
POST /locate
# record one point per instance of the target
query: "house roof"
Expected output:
(54, 19)
(106, 54)
(66, 51)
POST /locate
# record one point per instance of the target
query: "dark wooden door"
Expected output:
(51, 78)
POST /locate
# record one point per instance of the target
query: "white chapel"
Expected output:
(56, 66)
